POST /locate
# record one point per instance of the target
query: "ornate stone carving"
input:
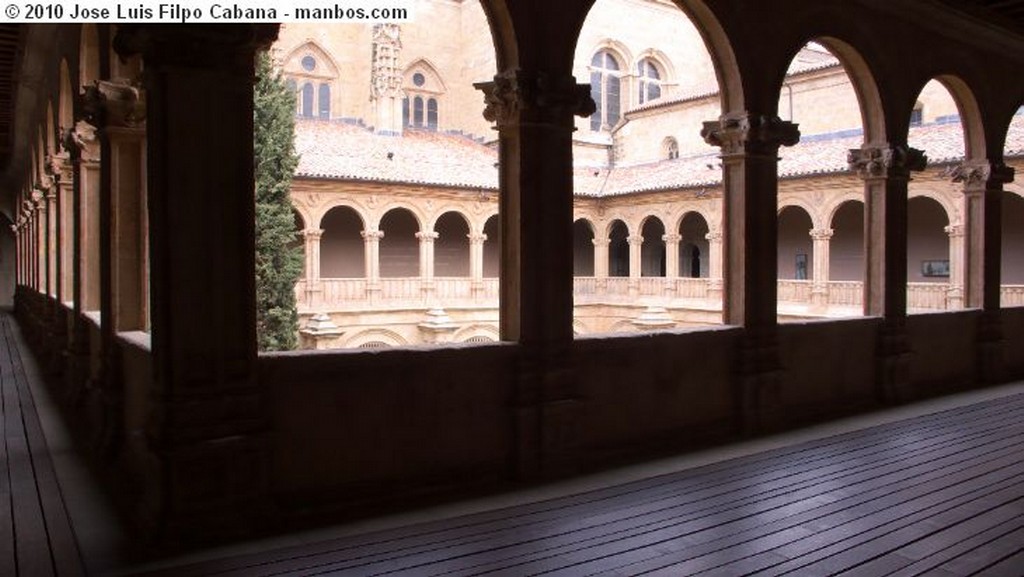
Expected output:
(386, 76)
(821, 234)
(744, 132)
(114, 103)
(515, 91)
(78, 138)
(886, 161)
(954, 230)
(977, 175)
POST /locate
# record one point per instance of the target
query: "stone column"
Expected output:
(533, 111)
(42, 240)
(207, 418)
(476, 262)
(52, 244)
(716, 284)
(601, 263)
(983, 197)
(636, 244)
(83, 151)
(672, 254)
(314, 290)
(821, 240)
(427, 262)
(750, 146)
(886, 171)
(371, 251)
(955, 291)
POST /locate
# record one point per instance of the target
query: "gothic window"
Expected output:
(605, 88)
(307, 100)
(417, 111)
(649, 84)
(308, 63)
(432, 114)
(324, 99)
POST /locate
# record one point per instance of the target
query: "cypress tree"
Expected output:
(279, 259)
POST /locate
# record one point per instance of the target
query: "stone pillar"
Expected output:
(206, 469)
(83, 151)
(672, 255)
(983, 196)
(601, 263)
(821, 240)
(371, 251)
(386, 78)
(636, 244)
(886, 171)
(52, 245)
(476, 262)
(314, 290)
(955, 291)
(427, 254)
(716, 284)
(533, 112)
(750, 146)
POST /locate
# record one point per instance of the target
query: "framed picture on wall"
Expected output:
(935, 268)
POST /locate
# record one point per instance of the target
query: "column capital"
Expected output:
(954, 230)
(372, 235)
(886, 161)
(551, 99)
(714, 236)
(737, 133)
(601, 242)
(477, 238)
(672, 238)
(118, 103)
(79, 139)
(977, 175)
(312, 234)
(226, 47)
(821, 234)
(635, 240)
(428, 236)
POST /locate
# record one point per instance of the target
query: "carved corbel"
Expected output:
(514, 92)
(744, 132)
(78, 139)
(886, 161)
(117, 103)
(980, 174)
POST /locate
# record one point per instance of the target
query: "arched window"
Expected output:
(605, 89)
(649, 85)
(417, 111)
(324, 99)
(670, 148)
(432, 114)
(307, 100)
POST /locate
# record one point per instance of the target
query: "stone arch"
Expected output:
(51, 129)
(694, 247)
(583, 247)
(65, 98)
(795, 248)
(618, 248)
(942, 105)
(1012, 269)
(451, 247)
(927, 239)
(652, 250)
(475, 333)
(668, 69)
(869, 99)
(948, 205)
(719, 47)
(416, 212)
(399, 247)
(971, 121)
(846, 247)
(804, 204)
(492, 246)
(292, 63)
(342, 252)
(371, 337)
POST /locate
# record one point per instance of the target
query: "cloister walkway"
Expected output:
(936, 488)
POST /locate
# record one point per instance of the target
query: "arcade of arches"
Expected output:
(132, 214)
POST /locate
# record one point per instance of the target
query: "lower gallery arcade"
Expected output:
(132, 213)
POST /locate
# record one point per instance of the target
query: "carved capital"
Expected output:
(514, 92)
(714, 236)
(312, 234)
(229, 46)
(601, 242)
(954, 230)
(372, 235)
(977, 175)
(475, 239)
(428, 237)
(635, 240)
(886, 161)
(78, 139)
(114, 104)
(821, 234)
(672, 238)
(745, 132)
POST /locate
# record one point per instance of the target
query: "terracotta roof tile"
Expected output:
(332, 149)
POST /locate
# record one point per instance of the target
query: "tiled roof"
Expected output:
(339, 150)
(335, 149)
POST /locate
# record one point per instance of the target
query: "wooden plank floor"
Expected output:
(36, 537)
(941, 494)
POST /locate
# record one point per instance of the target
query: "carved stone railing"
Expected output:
(349, 294)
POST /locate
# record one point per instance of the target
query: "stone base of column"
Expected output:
(893, 371)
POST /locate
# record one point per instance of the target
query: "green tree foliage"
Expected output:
(278, 255)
